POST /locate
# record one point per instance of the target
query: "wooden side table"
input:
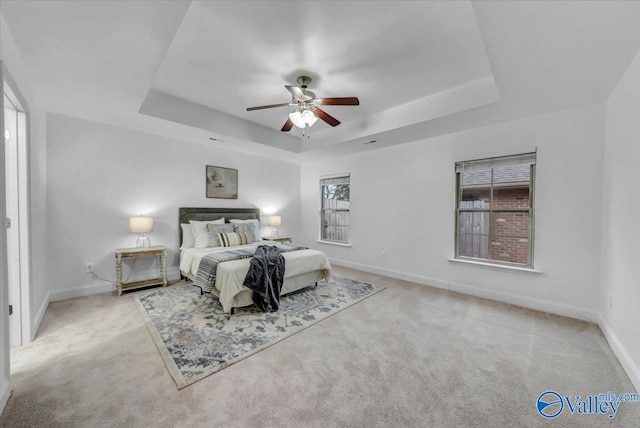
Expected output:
(278, 239)
(130, 253)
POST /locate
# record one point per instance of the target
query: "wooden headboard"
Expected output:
(205, 214)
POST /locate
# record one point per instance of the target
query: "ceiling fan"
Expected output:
(306, 104)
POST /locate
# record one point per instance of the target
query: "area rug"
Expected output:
(196, 338)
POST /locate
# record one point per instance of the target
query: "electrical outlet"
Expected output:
(88, 268)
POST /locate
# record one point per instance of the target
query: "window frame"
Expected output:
(491, 210)
(322, 210)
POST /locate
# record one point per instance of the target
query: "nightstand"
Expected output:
(278, 239)
(131, 253)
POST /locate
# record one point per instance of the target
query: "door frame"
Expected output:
(5, 366)
(10, 88)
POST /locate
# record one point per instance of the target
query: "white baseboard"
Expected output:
(5, 394)
(527, 302)
(86, 290)
(564, 310)
(40, 315)
(101, 287)
(629, 366)
(69, 293)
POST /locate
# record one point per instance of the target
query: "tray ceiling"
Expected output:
(189, 70)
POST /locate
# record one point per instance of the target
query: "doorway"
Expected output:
(16, 188)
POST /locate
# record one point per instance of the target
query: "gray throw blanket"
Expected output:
(208, 269)
(266, 275)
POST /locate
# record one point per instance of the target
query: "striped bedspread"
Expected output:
(206, 275)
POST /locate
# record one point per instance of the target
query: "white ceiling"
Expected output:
(387, 56)
(189, 70)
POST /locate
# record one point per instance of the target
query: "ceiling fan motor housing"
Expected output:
(303, 81)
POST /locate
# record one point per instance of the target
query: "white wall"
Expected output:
(403, 199)
(98, 176)
(620, 294)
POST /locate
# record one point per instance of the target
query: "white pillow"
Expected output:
(187, 236)
(237, 221)
(200, 232)
(251, 229)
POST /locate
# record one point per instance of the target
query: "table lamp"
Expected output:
(274, 221)
(141, 225)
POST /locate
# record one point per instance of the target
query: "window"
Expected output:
(334, 209)
(494, 210)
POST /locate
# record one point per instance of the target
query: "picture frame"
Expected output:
(221, 182)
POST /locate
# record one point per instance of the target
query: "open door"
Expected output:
(11, 131)
(15, 329)
(5, 386)
(17, 211)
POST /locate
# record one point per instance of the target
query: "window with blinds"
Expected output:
(334, 209)
(494, 209)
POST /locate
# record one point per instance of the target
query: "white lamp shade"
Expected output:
(296, 118)
(308, 117)
(274, 220)
(140, 224)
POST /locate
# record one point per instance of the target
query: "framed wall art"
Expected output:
(222, 182)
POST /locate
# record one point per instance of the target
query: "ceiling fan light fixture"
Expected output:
(308, 117)
(296, 118)
(303, 118)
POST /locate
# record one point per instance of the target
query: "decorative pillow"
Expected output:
(252, 230)
(214, 230)
(187, 236)
(200, 232)
(233, 238)
(238, 221)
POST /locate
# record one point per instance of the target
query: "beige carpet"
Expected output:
(410, 356)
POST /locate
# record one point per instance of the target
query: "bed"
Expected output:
(302, 268)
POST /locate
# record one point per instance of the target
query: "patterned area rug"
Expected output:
(196, 338)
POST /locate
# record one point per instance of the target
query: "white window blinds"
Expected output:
(334, 180)
(502, 161)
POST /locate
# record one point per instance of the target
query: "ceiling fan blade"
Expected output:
(343, 101)
(297, 93)
(269, 106)
(321, 114)
(287, 126)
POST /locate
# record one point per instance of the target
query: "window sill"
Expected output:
(497, 266)
(339, 244)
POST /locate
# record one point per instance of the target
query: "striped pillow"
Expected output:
(216, 229)
(251, 229)
(232, 239)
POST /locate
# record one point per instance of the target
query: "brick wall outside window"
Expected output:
(514, 247)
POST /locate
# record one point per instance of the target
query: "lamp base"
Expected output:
(274, 233)
(143, 241)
